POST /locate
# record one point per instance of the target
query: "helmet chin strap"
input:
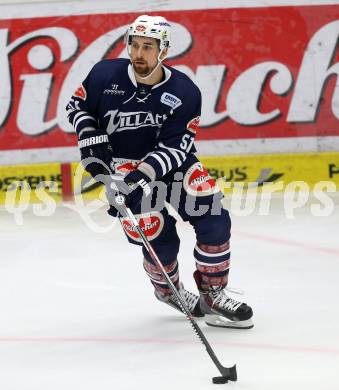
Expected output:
(156, 67)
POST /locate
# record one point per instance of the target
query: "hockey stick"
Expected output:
(227, 373)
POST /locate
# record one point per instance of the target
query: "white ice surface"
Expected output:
(77, 311)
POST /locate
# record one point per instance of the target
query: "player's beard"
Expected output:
(142, 70)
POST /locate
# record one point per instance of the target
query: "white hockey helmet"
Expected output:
(152, 27)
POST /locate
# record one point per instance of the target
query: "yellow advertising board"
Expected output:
(84, 185)
(263, 170)
(31, 182)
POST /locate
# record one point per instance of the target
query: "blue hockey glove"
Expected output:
(134, 186)
(96, 152)
(138, 183)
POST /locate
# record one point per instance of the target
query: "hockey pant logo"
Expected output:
(198, 182)
(151, 224)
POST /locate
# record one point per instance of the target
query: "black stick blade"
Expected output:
(228, 374)
(219, 379)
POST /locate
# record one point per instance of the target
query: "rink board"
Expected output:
(253, 172)
(265, 170)
(30, 183)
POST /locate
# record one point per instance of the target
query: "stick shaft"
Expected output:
(223, 370)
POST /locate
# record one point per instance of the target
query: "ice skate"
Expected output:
(222, 311)
(192, 300)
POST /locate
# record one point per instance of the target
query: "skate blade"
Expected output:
(222, 322)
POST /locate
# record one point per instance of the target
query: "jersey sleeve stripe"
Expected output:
(177, 157)
(81, 119)
(85, 130)
(70, 111)
(162, 145)
(168, 160)
(161, 163)
(77, 115)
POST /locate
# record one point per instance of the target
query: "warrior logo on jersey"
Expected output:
(81, 93)
(198, 182)
(193, 124)
(151, 224)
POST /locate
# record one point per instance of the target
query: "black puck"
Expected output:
(219, 379)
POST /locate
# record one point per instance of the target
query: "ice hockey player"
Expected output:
(138, 118)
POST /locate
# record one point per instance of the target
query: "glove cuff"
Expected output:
(134, 177)
(138, 179)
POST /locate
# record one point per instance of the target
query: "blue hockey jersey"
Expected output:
(152, 123)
